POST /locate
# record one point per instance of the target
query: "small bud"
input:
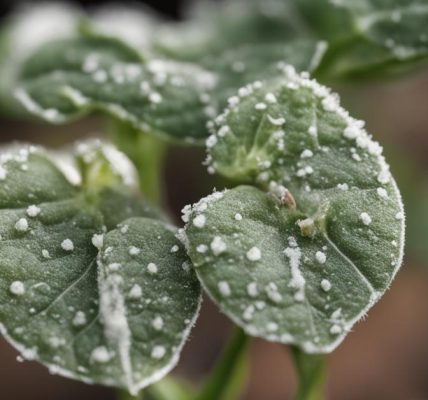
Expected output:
(307, 227)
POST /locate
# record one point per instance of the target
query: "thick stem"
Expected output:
(124, 395)
(311, 374)
(147, 152)
(224, 373)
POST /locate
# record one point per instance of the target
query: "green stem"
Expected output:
(124, 395)
(224, 373)
(147, 152)
(311, 373)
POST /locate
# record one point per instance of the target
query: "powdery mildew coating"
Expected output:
(289, 266)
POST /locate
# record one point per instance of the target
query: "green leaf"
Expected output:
(70, 78)
(23, 33)
(368, 36)
(96, 322)
(304, 257)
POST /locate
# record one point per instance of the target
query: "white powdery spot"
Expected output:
(335, 330)
(157, 323)
(272, 292)
(17, 288)
(238, 217)
(67, 245)
(33, 211)
(3, 173)
(155, 98)
(325, 285)
(260, 106)
(134, 251)
(365, 218)
(254, 254)
(272, 326)
(399, 216)
(100, 355)
(252, 289)
(45, 254)
(382, 193)
(152, 268)
(320, 257)
(79, 319)
(158, 352)
(98, 240)
(270, 98)
(199, 221)
(343, 186)
(174, 249)
(202, 248)
(218, 246)
(276, 121)
(224, 289)
(22, 225)
(306, 154)
(136, 292)
(297, 280)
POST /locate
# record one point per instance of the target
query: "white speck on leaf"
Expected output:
(67, 245)
(33, 211)
(224, 288)
(365, 218)
(152, 268)
(218, 246)
(22, 225)
(254, 254)
(17, 288)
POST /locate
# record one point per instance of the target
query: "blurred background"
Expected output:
(385, 357)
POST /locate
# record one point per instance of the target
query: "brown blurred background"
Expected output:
(385, 357)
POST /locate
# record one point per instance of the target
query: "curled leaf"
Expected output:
(77, 271)
(303, 259)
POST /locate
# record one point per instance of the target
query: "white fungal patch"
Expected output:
(382, 193)
(100, 355)
(33, 211)
(218, 246)
(152, 268)
(260, 106)
(155, 98)
(224, 289)
(343, 186)
(325, 285)
(306, 154)
(98, 240)
(21, 225)
(158, 352)
(157, 323)
(320, 257)
(252, 289)
(335, 330)
(79, 319)
(199, 221)
(248, 313)
(365, 218)
(254, 254)
(67, 245)
(45, 254)
(134, 251)
(202, 248)
(276, 121)
(272, 326)
(297, 280)
(174, 249)
(270, 98)
(17, 288)
(399, 216)
(3, 173)
(272, 292)
(136, 292)
(238, 217)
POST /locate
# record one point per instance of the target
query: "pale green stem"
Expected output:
(147, 152)
(218, 383)
(124, 395)
(311, 374)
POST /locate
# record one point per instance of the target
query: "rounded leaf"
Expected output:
(303, 259)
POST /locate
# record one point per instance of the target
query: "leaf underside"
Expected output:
(103, 307)
(300, 275)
